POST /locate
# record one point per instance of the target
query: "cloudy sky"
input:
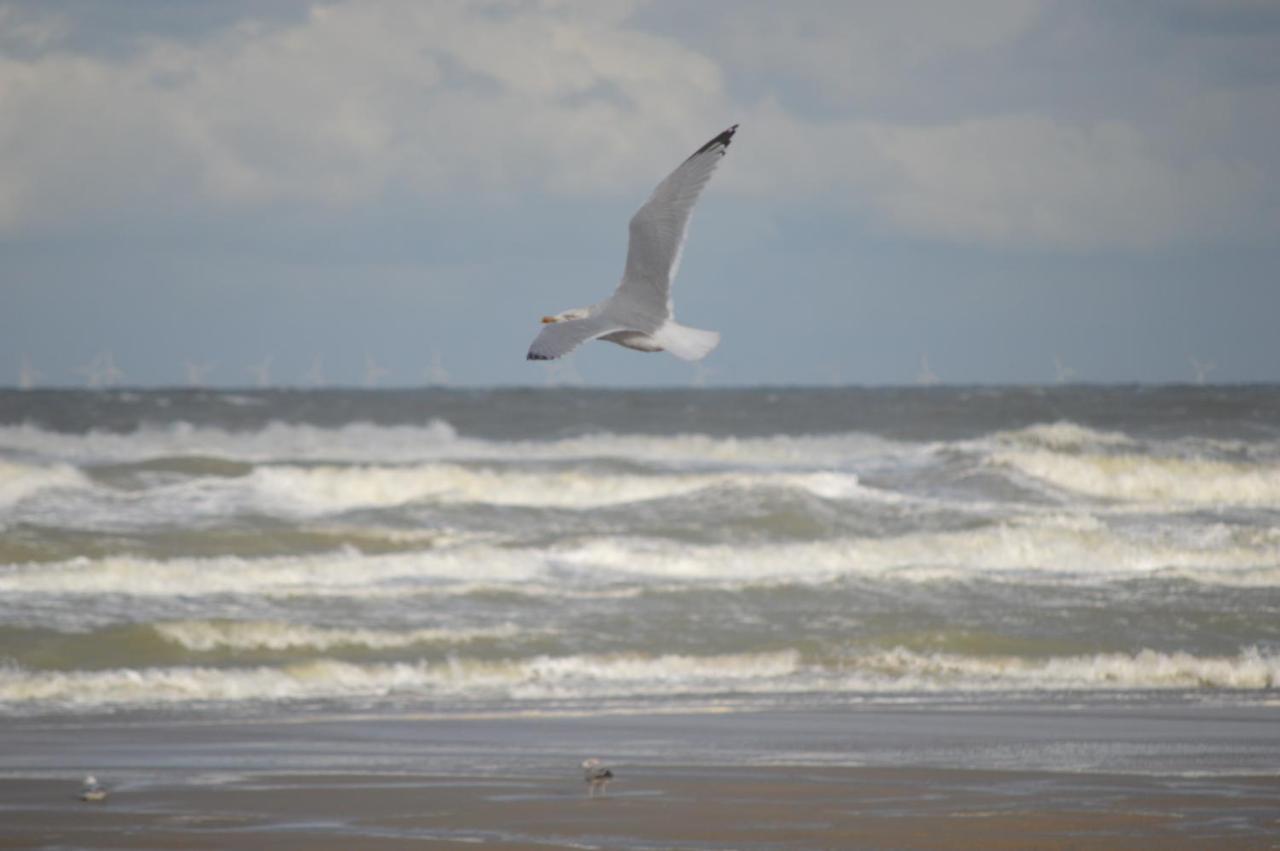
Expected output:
(991, 184)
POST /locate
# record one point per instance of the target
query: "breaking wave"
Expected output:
(537, 678)
(1148, 479)
(1147, 669)
(19, 481)
(208, 635)
(332, 489)
(435, 440)
(1062, 436)
(1049, 552)
(623, 676)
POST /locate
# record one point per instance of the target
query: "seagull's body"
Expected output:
(595, 775)
(640, 314)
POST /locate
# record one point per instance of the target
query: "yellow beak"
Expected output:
(547, 320)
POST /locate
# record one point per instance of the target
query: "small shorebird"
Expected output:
(91, 790)
(595, 775)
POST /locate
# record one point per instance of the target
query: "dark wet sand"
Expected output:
(776, 807)
(684, 781)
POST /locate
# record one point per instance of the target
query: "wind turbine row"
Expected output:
(102, 372)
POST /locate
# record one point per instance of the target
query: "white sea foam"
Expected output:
(19, 481)
(353, 442)
(635, 676)
(1159, 481)
(536, 678)
(295, 492)
(208, 635)
(436, 440)
(342, 573)
(1026, 552)
(1147, 669)
(1059, 552)
(1062, 436)
(327, 489)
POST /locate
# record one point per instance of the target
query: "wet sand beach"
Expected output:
(684, 781)
(676, 807)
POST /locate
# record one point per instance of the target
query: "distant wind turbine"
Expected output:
(314, 377)
(1202, 370)
(437, 375)
(701, 373)
(563, 372)
(113, 374)
(1063, 373)
(261, 372)
(101, 371)
(28, 376)
(926, 377)
(92, 372)
(373, 371)
(197, 373)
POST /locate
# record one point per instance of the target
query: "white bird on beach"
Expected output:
(640, 314)
(595, 775)
(91, 790)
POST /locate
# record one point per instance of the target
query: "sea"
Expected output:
(506, 552)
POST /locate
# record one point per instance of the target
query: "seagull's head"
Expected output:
(576, 313)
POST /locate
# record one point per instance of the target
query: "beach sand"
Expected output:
(776, 807)
(515, 783)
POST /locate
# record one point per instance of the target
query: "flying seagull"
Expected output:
(639, 314)
(595, 775)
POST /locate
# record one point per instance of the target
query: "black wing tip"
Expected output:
(722, 141)
(535, 356)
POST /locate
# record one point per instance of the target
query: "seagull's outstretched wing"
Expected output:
(658, 230)
(560, 338)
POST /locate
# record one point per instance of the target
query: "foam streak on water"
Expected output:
(514, 549)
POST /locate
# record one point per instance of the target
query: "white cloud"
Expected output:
(21, 29)
(1008, 181)
(869, 49)
(469, 102)
(1031, 180)
(361, 97)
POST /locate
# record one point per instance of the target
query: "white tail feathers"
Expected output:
(686, 343)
